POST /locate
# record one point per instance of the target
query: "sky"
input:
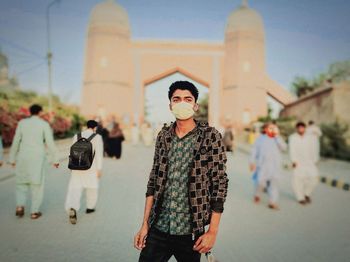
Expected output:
(302, 37)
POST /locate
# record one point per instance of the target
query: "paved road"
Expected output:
(319, 232)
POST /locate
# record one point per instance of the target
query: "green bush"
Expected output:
(333, 141)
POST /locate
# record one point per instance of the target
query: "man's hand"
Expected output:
(205, 242)
(56, 165)
(140, 237)
(99, 174)
(13, 164)
(294, 164)
(252, 167)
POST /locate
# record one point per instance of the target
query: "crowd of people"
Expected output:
(187, 185)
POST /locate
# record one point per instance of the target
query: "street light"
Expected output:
(49, 53)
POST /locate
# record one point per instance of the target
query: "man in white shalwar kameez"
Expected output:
(28, 154)
(266, 161)
(85, 179)
(315, 134)
(304, 159)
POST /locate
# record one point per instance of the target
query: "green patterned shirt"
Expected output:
(175, 214)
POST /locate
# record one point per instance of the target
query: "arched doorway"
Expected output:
(156, 103)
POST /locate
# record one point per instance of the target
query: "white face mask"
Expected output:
(182, 110)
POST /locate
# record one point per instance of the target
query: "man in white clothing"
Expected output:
(305, 175)
(86, 179)
(315, 134)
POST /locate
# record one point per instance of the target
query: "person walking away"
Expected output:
(115, 139)
(135, 134)
(28, 156)
(266, 161)
(104, 133)
(88, 179)
(187, 186)
(305, 172)
(228, 139)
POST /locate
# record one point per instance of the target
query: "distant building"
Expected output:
(117, 68)
(324, 105)
(7, 84)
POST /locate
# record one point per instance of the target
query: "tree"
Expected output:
(333, 141)
(301, 86)
(337, 72)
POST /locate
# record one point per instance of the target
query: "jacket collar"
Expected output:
(170, 131)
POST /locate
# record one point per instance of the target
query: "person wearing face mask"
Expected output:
(187, 186)
(266, 162)
(305, 173)
(28, 155)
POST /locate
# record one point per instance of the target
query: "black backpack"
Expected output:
(81, 153)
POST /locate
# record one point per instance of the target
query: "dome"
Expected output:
(244, 19)
(109, 13)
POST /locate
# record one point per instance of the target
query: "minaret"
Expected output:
(107, 85)
(244, 66)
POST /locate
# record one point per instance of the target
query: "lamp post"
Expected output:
(49, 53)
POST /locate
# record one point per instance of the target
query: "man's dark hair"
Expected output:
(91, 124)
(35, 109)
(183, 85)
(300, 124)
(311, 122)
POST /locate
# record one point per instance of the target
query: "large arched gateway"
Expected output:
(117, 68)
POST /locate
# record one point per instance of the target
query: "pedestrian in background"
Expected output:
(32, 137)
(228, 139)
(114, 141)
(87, 180)
(103, 132)
(266, 161)
(315, 134)
(304, 159)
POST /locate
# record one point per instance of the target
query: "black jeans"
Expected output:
(160, 247)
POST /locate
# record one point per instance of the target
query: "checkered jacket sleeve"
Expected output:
(217, 173)
(152, 177)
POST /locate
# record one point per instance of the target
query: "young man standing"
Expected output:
(187, 186)
(86, 179)
(32, 136)
(304, 159)
(266, 161)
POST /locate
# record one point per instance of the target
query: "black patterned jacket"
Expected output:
(208, 180)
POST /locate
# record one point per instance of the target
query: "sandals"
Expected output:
(73, 216)
(273, 206)
(20, 211)
(35, 215)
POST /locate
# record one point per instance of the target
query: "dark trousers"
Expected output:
(160, 247)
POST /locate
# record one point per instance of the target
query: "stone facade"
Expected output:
(117, 69)
(325, 105)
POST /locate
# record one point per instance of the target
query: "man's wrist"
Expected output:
(213, 230)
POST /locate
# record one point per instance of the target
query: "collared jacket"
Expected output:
(208, 180)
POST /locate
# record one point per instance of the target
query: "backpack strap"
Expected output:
(91, 137)
(79, 136)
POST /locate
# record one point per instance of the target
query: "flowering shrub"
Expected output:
(14, 106)
(61, 126)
